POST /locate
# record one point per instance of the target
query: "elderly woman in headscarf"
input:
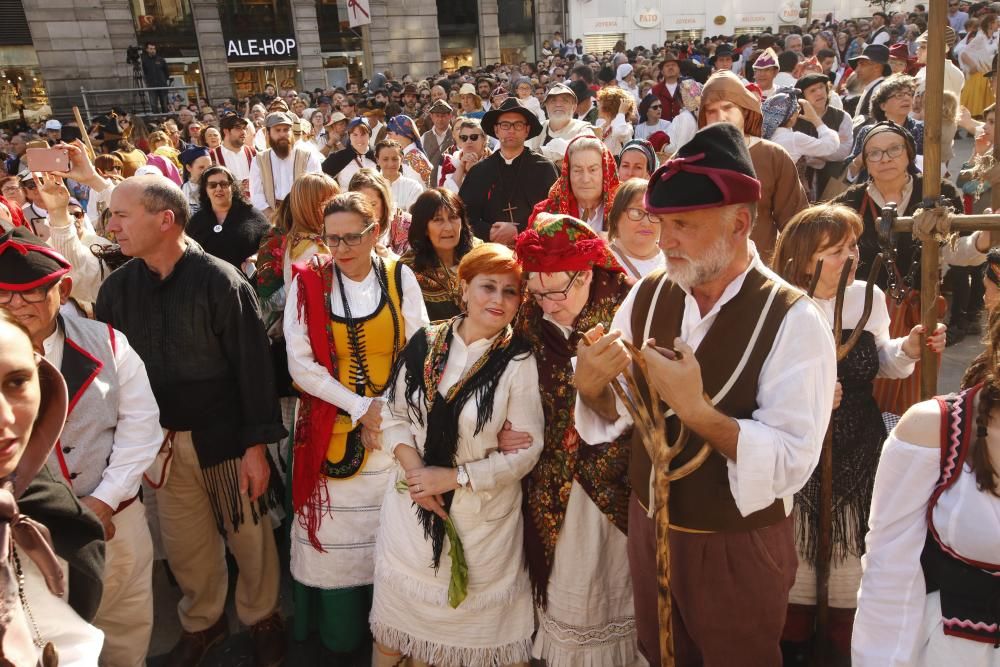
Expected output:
(576, 497)
(725, 99)
(41, 521)
(889, 155)
(637, 160)
(402, 129)
(586, 186)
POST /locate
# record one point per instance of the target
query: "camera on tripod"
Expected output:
(133, 54)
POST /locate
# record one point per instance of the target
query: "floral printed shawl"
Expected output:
(600, 468)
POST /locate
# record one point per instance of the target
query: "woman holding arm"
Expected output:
(459, 380)
(347, 318)
(830, 232)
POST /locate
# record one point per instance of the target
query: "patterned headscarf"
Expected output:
(561, 199)
(403, 124)
(778, 109)
(562, 243)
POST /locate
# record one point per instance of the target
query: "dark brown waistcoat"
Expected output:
(703, 500)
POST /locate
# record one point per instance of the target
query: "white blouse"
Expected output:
(889, 630)
(405, 191)
(644, 266)
(643, 130)
(363, 297)
(893, 362)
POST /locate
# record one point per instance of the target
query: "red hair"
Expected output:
(488, 259)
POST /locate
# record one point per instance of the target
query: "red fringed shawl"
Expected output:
(316, 417)
(561, 198)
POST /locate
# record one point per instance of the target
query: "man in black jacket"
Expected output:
(154, 72)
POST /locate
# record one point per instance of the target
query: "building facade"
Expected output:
(229, 48)
(601, 23)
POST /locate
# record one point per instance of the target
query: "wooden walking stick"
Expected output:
(824, 549)
(650, 420)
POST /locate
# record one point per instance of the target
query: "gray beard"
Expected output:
(696, 272)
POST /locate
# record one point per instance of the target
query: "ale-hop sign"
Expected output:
(250, 49)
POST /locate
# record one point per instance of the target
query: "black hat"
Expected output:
(722, 50)
(581, 90)
(26, 262)
(811, 79)
(877, 53)
(511, 105)
(711, 170)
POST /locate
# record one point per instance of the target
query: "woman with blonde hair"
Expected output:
(830, 232)
(163, 156)
(612, 126)
(394, 223)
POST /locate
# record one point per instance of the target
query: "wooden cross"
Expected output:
(930, 252)
(510, 212)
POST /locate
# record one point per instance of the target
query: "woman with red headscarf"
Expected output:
(587, 184)
(576, 497)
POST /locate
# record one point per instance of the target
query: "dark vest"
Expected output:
(832, 118)
(703, 499)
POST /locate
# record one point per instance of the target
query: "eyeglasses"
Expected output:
(877, 155)
(10, 191)
(556, 295)
(36, 295)
(656, 106)
(517, 125)
(637, 214)
(469, 137)
(902, 95)
(77, 214)
(333, 240)
(212, 185)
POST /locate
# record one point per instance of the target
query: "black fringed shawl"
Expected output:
(423, 360)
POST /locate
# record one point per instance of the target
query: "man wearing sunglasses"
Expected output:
(561, 128)
(34, 211)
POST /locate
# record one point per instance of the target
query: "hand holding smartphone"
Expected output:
(47, 159)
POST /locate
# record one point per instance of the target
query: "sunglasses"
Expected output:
(469, 137)
(77, 214)
(212, 185)
(656, 106)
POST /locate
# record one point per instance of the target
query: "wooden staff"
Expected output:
(650, 421)
(85, 131)
(930, 252)
(824, 549)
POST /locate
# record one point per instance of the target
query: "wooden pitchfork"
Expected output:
(650, 421)
(824, 551)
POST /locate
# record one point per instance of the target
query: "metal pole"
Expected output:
(929, 253)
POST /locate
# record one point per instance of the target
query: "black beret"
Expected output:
(711, 170)
(26, 262)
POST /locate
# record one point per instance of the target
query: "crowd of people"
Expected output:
(387, 338)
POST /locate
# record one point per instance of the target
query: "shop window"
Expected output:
(458, 30)
(22, 90)
(335, 32)
(167, 23)
(601, 43)
(253, 18)
(516, 19)
(684, 35)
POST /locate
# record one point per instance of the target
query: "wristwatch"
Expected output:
(463, 477)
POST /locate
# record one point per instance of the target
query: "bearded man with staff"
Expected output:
(752, 373)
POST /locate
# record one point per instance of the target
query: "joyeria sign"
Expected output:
(261, 48)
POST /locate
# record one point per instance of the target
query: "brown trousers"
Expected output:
(729, 590)
(197, 552)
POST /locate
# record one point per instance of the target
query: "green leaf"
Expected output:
(458, 586)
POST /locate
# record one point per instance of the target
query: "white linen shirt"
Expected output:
(138, 435)
(364, 297)
(281, 170)
(779, 446)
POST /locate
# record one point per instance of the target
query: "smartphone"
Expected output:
(47, 159)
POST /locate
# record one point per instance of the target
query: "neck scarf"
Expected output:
(423, 362)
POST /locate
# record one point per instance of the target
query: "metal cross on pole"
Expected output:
(930, 251)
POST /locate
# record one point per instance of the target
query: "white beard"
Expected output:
(692, 272)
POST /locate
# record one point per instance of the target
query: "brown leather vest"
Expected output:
(703, 500)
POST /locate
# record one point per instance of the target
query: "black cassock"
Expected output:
(493, 186)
